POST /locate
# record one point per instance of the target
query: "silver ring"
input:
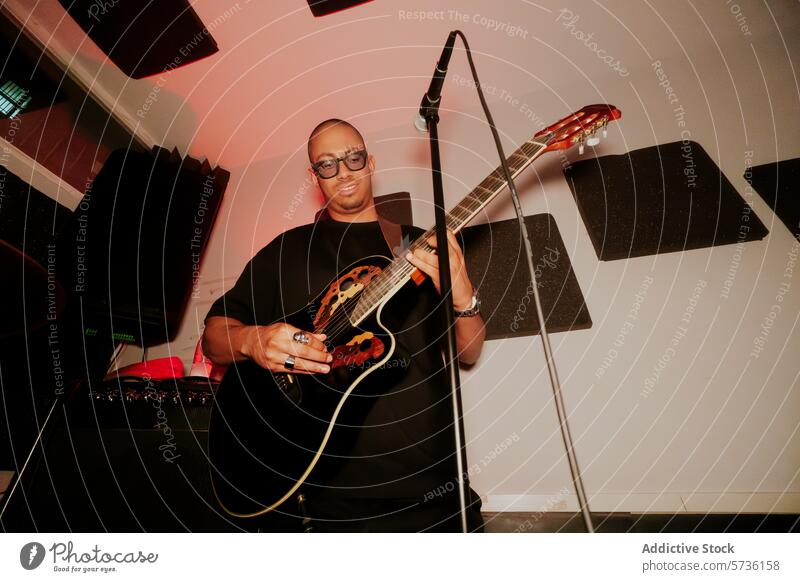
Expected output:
(301, 337)
(289, 363)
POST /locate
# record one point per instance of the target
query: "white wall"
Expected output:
(718, 430)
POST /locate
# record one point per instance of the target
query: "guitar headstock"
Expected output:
(579, 127)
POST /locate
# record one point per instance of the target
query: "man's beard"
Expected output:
(352, 201)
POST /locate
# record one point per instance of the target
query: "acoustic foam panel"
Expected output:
(325, 7)
(144, 38)
(395, 207)
(134, 246)
(777, 184)
(496, 262)
(659, 199)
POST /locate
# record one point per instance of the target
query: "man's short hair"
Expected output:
(325, 125)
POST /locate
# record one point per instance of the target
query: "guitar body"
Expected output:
(271, 433)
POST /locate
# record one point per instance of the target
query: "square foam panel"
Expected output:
(325, 7)
(777, 184)
(395, 207)
(659, 199)
(496, 262)
(144, 38)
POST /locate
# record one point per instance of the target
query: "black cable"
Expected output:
(554, 382)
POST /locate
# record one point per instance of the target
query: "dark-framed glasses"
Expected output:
(329, 167)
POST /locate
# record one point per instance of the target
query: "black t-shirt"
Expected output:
(405, 448)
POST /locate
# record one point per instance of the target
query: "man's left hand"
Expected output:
(428, 263)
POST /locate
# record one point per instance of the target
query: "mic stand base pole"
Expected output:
(445, 286)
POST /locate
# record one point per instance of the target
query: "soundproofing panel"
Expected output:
(395, 207)
(777, 184)
(144, 38)
(325, 7)
(133, 248)
(660, 199)
(496, 262)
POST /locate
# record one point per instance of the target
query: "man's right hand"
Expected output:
(270, 345)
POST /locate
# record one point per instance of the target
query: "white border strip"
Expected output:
(37, 176)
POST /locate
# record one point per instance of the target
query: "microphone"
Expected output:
(430, 101)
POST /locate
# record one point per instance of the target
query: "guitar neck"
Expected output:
(471, 205)
(398, 272)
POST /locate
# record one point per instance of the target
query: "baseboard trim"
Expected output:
(706, 502)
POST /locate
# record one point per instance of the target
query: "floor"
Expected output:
(629, 522)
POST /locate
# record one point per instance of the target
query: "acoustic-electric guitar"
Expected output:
(269, 431)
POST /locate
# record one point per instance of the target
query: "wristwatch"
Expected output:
(474, 308)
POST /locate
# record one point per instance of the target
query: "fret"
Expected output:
(482, 195)
(471, 201)
(494, 182)
(453, 222)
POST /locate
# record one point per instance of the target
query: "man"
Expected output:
(400, 474)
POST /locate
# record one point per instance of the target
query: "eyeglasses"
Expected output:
(329, 167)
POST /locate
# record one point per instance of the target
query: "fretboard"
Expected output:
(396, 274)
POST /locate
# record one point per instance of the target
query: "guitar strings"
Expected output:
(373, 293)
(395, 272)
(390, 277)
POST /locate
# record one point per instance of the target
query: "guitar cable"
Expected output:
(551, 366)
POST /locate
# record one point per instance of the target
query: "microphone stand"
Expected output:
(446, 310)
(429, 111)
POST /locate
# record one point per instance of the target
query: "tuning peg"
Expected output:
(593, 141)
(580, 149)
